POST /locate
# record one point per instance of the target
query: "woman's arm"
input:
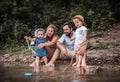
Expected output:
(50, 43)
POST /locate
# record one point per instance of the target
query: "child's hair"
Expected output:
(80, 17)
(40, 29)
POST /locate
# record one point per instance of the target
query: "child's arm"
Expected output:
(72, 38)
(29, 38)
(85, 36)
(26, 37)
(85, 41)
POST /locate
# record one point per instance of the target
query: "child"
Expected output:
(80, 41)
(39, 52)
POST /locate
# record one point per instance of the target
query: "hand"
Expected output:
(64, 51)
(78, 52)
(41, 45)
(26, 37)
(72, 38)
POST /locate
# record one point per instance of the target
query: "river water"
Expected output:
(15, 73)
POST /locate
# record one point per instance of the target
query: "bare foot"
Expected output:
(32, 65)
(74, 64)
(50, 65)
(77, 65)
(36, 69)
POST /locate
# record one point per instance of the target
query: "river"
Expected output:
(15, 73)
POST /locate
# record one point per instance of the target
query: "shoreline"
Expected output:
(91, 59)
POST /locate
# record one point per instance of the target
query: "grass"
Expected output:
(103, 45)
(98, 46)
(16, 50)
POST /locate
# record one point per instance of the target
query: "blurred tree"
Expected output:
(20, 17)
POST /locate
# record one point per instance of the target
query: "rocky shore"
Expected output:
(104, 49)
(91, 59)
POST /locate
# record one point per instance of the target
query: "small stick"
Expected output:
(29, 47)
(74, 55)
(69, 64)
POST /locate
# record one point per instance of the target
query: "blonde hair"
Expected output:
(51, 26)
(41, 29)
(80, 17)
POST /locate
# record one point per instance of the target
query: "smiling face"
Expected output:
(77, 22)
(67, 30)
(50, 32)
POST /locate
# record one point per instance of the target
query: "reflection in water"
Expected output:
(36, 69)
(55, 74)
(80, 70)
(2, 73)
(42, 68)
(79, 74)
(45, 73)
(46, 68)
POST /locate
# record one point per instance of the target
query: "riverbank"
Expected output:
(103, 48)
(92, 59)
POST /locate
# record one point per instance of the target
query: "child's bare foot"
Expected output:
(32, 65)
(50, 65)
(77, 65)
(36, 69)
(74, 64)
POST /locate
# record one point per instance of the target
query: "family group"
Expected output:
(49, 46)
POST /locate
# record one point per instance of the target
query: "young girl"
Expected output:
(51, 40)
(80, 41)
(39, 52)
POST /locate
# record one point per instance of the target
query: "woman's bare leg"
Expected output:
(49, 52)
(54, 58)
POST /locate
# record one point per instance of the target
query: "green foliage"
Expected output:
(12, 32)
(97, 14)
(21, 17)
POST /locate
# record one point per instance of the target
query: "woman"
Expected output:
(51, 40)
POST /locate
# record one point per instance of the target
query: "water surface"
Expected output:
(15, 73)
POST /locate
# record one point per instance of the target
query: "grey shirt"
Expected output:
(66, 40)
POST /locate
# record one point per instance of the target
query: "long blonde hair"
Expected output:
(51, 26)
